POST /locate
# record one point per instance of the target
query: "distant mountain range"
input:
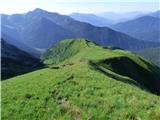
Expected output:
(19, 44)
(15, 61)
(36, 32)
(144, 28)
(92, 19)
(109, 18)
(40, 30)
(121, 17)
(155, 14)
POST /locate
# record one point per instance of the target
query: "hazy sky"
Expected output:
(83, 6)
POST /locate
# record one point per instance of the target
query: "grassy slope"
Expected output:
(152, 54)
(53, 93)
(116, 60)
(66, 91)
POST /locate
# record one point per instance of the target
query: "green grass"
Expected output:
(152, 54)
(80, 87)
(119, 61)
(55, 94)
(64, 50)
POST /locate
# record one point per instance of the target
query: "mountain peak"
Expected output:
(38, 10)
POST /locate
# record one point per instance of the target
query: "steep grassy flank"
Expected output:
(83, 84)
(152, 54)
(145, 78)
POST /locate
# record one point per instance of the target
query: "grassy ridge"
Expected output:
(66, 49)
(81, 85)
(118, 61)
(72, 93)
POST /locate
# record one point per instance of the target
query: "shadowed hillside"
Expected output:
(15, 61)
